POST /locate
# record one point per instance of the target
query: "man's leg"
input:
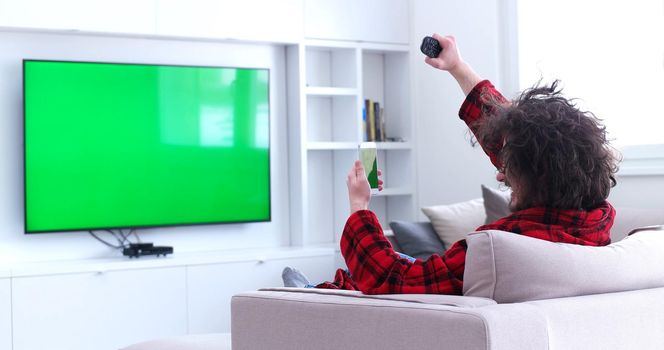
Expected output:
(342, 280)
(294, 278)
(407, 257)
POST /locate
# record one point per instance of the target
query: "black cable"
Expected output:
(120, 236)
(125, 237)
(115, 236)
(136, 235)
(103, 241)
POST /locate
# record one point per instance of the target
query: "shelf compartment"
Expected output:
(385, 80)
(327, 195)
(397, 168)
(332, 119)
(331, 66)
(320, 195)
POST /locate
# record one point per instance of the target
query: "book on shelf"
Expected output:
(382, 137)
(365, 136)
(373, 119)
(377, 121)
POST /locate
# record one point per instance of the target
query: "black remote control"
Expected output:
(430, 47)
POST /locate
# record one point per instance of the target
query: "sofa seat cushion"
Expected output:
(512, 268)
(431, 299)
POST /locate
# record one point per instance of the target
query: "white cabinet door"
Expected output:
(5, 314)
(212, 286)
(363, 20)
(120, 16)
(261, 20)
(98, 311)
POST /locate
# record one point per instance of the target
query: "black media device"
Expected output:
(136, 250)
(430, 47)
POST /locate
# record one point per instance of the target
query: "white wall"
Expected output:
(449, 169)
(15, 246)
(5, 313)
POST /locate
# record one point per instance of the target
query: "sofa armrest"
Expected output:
(296, 320)
(623, 320)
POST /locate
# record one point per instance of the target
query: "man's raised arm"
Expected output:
(450, 60)
(481, 95)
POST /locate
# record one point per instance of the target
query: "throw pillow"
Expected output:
(496, 204)
(511, 268)
(417, 239)
(454, 222)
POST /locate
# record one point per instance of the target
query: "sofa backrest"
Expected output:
(628, 219)
(509, 268)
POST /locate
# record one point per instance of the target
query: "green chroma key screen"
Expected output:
(134, 145)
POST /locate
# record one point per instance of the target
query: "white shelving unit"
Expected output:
(333, 80)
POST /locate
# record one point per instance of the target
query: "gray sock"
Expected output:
(294, 278)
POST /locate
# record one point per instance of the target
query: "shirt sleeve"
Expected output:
(480, 103)
(377, 269)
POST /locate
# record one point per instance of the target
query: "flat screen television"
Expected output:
(111, 145)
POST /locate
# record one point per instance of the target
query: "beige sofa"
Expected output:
(628, 315)
(519, 293)
(347, 320)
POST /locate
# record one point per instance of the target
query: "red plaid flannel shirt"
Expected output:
(377, 269)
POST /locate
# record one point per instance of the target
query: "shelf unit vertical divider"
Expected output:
(360, 94)
(297, 145)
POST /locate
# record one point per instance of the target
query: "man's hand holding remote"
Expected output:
(450, 60)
